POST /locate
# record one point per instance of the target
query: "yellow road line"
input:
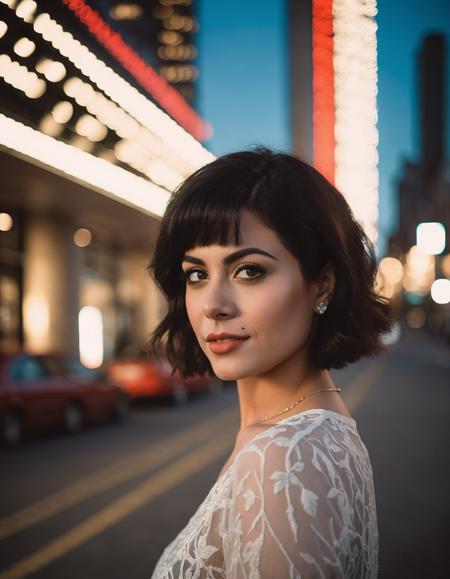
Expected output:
(359, 387)
(149, 458)
(145, 492)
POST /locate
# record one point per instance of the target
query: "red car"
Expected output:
(144, 376)
(53, 390)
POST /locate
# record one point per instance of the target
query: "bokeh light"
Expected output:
(440, 291)
(82, 237)
(392, 269)
(431, 237)
(6, 222)
(415, 317)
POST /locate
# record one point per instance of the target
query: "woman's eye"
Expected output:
(189, 273)
(252, 271)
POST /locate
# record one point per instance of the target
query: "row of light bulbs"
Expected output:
(184, 52)
(182, 23)
(18, 76)
(172, 43)
(167, 135)
(24, 9)
(191, 153)
(105, 114)
(53, 123)
(175, 2)
(92, 130)
(176, 73)
(53, 71)
(82, 166)
(139, 152)
(172, 21)
(89, 129)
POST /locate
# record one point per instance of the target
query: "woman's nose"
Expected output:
(218, 303)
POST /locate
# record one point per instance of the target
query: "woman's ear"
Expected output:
(325, 284)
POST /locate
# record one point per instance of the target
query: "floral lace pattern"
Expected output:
(297, 502)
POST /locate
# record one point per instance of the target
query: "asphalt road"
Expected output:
(105, 503)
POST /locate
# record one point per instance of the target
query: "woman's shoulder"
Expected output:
(313, 439)
(316, 426)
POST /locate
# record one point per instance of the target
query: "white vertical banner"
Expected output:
(355, 88)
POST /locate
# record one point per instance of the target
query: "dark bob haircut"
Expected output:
(312, 220)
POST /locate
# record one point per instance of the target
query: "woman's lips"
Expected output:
(226, 345)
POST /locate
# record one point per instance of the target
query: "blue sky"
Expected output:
(243, 73)
(244, 85)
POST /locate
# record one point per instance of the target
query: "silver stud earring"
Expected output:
(320, 309)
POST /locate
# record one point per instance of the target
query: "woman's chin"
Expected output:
(229, 374)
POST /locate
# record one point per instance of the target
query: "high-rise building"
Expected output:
(424, 185)
(431, 77)
(424, 200)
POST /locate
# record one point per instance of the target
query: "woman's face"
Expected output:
(263, 298)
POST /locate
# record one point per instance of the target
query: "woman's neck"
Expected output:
(269, 393)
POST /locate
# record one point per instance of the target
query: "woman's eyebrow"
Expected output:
(232, 257)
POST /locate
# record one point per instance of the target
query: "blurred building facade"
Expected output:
(423, 187)
(96, 129)
(424, 196)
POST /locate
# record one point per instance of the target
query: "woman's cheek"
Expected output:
(285, 317)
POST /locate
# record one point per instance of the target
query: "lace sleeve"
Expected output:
(297, 510)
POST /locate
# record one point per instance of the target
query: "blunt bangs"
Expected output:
(214, 219)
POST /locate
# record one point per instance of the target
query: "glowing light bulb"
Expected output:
(26, 10)
(52, 70)
(24, 47)
(49, 126)
(89, 127)
(3, 28)
(6, 222)
(62, 112)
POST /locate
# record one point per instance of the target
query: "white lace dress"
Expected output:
(297, 501)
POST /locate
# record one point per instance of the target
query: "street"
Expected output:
(105, 503)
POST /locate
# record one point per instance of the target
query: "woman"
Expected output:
(270, 282)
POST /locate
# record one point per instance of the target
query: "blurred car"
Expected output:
(143, 376)
(51, 390)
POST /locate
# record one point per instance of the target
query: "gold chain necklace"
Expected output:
(295, 404)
